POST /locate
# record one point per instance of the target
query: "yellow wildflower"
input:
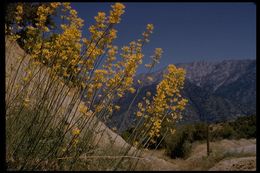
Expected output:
(150, 27)
(135, 144)
(25, 79)
(26, 102)
(132, 90)
(117, 11)
(55, 4)
(75, 142)
(19, 9)
(83, 108)
(19, 12)
(76, 131)
(139, 114)
(117, 107)
(140, 105)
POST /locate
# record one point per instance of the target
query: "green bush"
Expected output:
(125, 135)
(200, 131)
(179, 145)
(227, 132)
(245, 127)
(242, 127)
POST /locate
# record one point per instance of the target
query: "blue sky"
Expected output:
(185, 31)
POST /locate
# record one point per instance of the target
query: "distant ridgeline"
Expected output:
(216, 92)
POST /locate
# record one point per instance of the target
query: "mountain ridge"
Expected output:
(216, 91)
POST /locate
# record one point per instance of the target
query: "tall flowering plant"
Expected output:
(48, 126)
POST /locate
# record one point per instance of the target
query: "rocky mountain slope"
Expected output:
(216, 91)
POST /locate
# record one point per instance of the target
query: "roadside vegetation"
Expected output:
(179, 144)
(48, 127)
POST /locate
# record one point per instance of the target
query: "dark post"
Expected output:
(207, 138)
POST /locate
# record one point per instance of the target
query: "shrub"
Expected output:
(126, 134)
(200, 131)
(179, 144)
(242, 127)
(227, 132)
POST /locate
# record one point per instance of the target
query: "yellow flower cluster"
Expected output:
(83, 108)
(26, 102)
(80, 61)
(111, 58)
(117, 107)
(102, 35)
(75, 131)
(126, 69)
(43, 12)
(117, 11)
(155, 58)
(149, 30)
(131, 90)
(167, 101)
(119, 75)
(100, 76)
(34, 43)
(100, 19)
(18, 13)
(61, 51)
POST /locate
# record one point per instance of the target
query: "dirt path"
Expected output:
(226, 155)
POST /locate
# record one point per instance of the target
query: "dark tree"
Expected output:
(29, 18)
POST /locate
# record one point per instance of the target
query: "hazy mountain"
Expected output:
(216, 91)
